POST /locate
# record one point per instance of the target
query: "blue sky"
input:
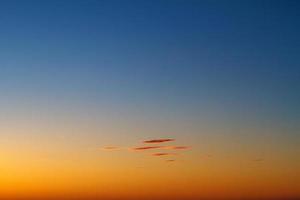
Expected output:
(239, 55)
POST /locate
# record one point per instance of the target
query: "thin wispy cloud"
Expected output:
(146, 148)
(160, 147)
(170, 160)
(110, 148)
(163, 154)
(176, 147)
(258, 160)
(158, 141)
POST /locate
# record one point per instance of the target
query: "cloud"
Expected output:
(110, 148)
(163, 154)
(158, 141)
(258, 160)
(177, 147)
(170, 160)
(160, 147)
(145, 148)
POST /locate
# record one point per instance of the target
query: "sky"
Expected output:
(160, 99)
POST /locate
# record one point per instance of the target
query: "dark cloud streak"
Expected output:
(163, 154)
(170, 160)
(177, 147)
(110, 148)
(158, 141)
(145, 148)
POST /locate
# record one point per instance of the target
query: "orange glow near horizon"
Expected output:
(67, 171)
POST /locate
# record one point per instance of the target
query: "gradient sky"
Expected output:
(220, 77)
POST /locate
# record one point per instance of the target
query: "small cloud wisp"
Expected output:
(158, 141)
(163, 154)
(145, 148)
(110, 148)
(176, 147)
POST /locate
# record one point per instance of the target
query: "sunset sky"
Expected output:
(149, 99)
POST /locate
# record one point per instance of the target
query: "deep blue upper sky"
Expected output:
(230, 55)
